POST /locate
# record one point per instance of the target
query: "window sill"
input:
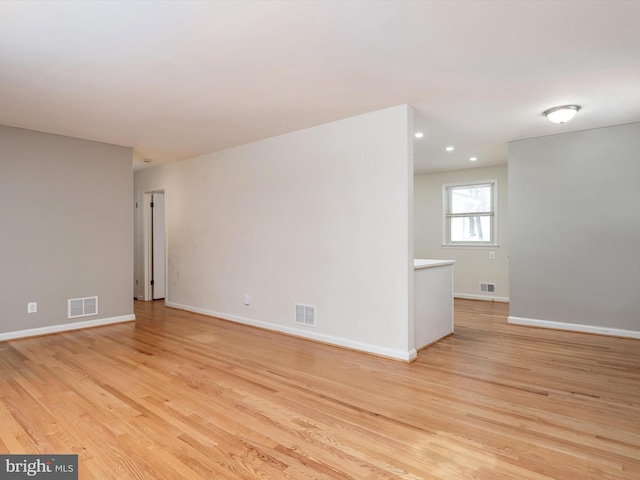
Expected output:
(470, 246)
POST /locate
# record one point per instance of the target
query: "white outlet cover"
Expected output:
(32, 307)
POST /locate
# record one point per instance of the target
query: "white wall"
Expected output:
(473, 266)
(66, 222)
(320, 217)
(575, 230)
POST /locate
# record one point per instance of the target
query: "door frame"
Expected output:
(147, 248)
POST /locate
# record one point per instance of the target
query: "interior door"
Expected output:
(158, 246)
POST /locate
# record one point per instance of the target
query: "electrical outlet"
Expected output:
(32, 307)
(246, 299)
(492, 255)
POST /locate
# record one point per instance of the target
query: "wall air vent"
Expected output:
(488, 287)
(82, 307)
(306, 315)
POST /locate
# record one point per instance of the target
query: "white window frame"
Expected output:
(446, 216)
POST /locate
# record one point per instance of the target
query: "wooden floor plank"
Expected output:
(179, 395)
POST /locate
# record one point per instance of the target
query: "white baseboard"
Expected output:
(573, 327)
(65, 327)
(481, 297)
(319, 337)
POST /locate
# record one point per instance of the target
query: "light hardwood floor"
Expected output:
(177, 395)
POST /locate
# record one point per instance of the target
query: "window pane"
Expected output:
(470, 199)
(471, 229)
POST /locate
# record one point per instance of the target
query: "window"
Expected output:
(469, 214)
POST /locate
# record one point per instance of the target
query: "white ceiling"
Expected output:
(178, 79)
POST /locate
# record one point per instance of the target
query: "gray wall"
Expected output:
(66, 228)
(574, 222)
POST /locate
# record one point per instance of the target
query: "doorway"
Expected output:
(158, 274)
(154, 246)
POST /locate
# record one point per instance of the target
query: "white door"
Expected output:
(158, 274)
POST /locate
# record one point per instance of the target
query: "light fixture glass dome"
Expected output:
(561, 114)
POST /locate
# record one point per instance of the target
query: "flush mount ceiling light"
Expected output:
(449, 149)
(561, 114)
(419, 134)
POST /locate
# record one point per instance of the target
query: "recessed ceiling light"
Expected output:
(419, 134)
(473, 159)
(147, 160)
(449, 149)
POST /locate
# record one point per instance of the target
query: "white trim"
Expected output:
(319, 337)
(481, 297)
(573, 327)
(471, 246)
(33, 332)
